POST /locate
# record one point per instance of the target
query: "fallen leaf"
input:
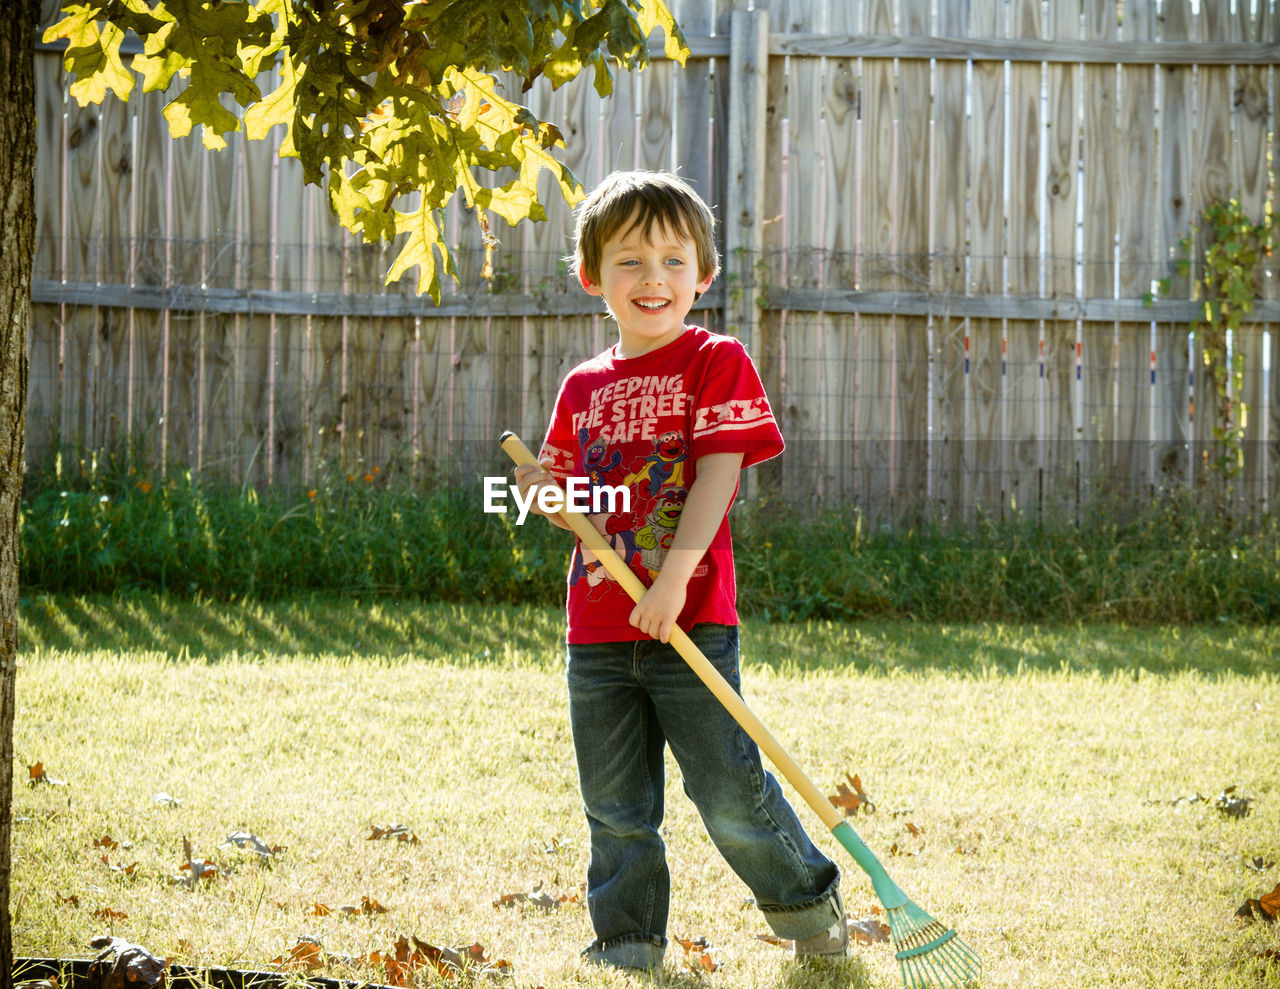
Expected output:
(319, 910)
(868, 930)
(308, 954)
(37, 775)
(106, 913)
(196, 869)
(1231, 805)
(851, 797)
(72, 899)
(697, 952)
(1271, 902)
(1259, 865)
(367, 907)
(252, 843)
(913, 829)
(536, 897)
(126, 963)
(1265, 907)
(397, 831)
(126, 870)
(409, 953)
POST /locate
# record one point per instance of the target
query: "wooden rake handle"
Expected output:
(708, 674)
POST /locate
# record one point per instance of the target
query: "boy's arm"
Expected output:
(709, 496)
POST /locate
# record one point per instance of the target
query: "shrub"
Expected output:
(103, 530)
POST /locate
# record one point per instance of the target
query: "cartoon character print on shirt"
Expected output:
(588, 567)
(664, 465)
(596, 460)
(659, 530)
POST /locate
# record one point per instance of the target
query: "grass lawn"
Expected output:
(1037, 788)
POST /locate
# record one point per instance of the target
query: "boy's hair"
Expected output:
(625, 200)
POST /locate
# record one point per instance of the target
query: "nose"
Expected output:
(652, 274)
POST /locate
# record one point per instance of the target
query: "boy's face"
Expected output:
(649, 284)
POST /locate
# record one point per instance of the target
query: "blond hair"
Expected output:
(626, 200)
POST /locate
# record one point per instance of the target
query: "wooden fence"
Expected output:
(939, 221)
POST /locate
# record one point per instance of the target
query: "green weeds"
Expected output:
(99, 531)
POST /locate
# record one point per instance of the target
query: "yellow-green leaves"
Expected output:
(93, 54)
(393, 105)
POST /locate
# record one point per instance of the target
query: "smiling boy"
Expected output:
(674, 413)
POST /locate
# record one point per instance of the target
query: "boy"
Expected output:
(671, 413)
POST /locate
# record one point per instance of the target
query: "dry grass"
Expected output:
(1045, 795)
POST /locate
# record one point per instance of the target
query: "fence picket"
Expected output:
(1021, 430)
(910, 427)
(983, 427)
(1250, 131)
(1131, 463)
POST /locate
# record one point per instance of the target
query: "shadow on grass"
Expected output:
(1008, 650)
(212, 631)
(386, 629)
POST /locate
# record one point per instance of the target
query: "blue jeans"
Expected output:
(626, 701)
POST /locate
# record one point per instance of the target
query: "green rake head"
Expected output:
(929, 953)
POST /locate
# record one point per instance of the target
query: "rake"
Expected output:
(929, 953)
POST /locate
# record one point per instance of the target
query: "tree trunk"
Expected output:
(17, 246)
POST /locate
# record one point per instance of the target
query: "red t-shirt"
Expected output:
(642, 423)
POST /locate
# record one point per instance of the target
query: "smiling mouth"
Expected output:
(652, 305)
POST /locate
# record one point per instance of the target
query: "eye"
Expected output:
(675, 262)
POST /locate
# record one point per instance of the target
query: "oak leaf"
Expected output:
(120, 963)
(127, 870)
(196, 869)
(851, 797)
(368, 906)
(397, 831)
(1231, 805)
(697, 954)
(868, 930)
(1265, 907)
(36, 775)
(252, 843)
(308, 954)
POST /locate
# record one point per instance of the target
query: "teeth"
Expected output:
(650, 305)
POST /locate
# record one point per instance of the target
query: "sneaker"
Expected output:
(831, 943)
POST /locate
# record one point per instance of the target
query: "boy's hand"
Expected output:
(704, 508)
(656, 612)
(530, 478)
